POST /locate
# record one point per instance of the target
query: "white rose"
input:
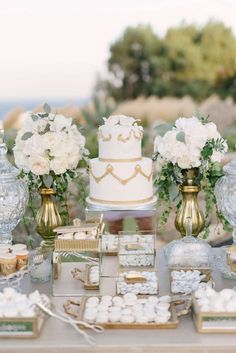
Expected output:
(21, 160)
(112, 120)
(34, 126)
(170, 148)
(216, 156)
(73, 160)
(39, 165)
(58, 165)
(127, 120)
(34, 146)
(53, 141)
(195, 132)
(184, 162)
(212, 132)
(59, 123)
(75, 135)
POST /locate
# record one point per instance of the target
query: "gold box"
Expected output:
(213, 322)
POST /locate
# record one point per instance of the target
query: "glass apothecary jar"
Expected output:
(13, 195)
(225, 192)
(76, 269)
(189, 262)
(137, 249)
(226, 261)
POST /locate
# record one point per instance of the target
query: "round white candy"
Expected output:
(102, 318)
(114, 316)
(127, 319)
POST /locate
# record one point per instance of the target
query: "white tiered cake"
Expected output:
(120, 176)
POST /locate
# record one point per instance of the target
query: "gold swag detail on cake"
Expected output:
(104, 138)
(120, 137)
(110, 170)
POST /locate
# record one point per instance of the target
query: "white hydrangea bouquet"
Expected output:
(48, 149)
(189, 143)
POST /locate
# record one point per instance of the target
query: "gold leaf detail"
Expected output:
(110, 170)
(104, 138)
(124, 139)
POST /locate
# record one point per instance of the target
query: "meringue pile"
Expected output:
(109, 242)
(148, 287)
(94, 274)
(145, 256)
(128, 309)
(81, 235)
(210, 300)
(14, 304)
(185, 281)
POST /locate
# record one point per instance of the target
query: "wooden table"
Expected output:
(57, 337)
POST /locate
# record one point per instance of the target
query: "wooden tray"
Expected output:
(208, 322)
(171, 324)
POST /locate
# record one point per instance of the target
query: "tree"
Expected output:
(130, 60)
(188, 60)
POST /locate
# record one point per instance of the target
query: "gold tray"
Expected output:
(77, 245)
(20, 327)
(87, 284)
(171, 324)
(204, 321)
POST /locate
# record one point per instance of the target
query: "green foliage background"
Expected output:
(188, 60)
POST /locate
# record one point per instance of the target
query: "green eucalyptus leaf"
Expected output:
(48, 180)
(180, 136)
(26, 136)
(34, 117)
(43, 115)
(47, 108)
(163, 128)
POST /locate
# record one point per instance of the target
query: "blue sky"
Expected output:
(55, 48)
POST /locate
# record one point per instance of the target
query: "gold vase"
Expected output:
(189, 208)
(47, 217)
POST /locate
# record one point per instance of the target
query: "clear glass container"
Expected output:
(136, 249)
(225, 192)
(13, 195)
(76, 272)
(188, 253)
(41, 265)
(226, 263)
(138, 281)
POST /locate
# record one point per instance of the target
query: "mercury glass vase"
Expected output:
(225, 192)
(189, 208)
(48, 217)
(13, 195)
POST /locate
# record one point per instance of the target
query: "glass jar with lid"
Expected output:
(225, 192)
(13, 195)
(190, 263)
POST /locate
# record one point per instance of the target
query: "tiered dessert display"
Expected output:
(120, 176)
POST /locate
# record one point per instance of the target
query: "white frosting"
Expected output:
(120, 140)
(112, 191)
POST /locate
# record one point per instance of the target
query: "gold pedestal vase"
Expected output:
(189, 208)
(48, 217)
